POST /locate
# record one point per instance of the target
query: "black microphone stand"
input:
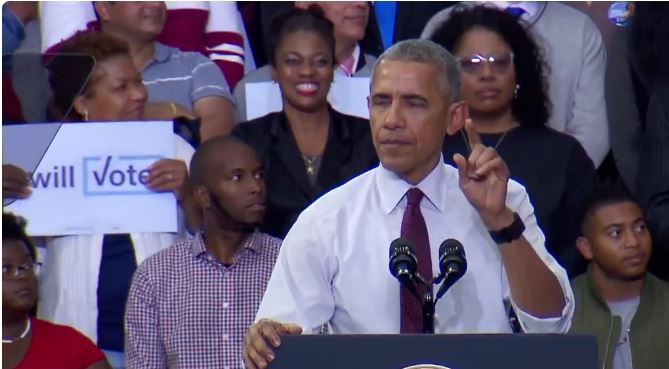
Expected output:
(426, 300)
(427, 306)
(429, 302)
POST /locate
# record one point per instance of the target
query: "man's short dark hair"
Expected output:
(14, 228)
(198, 163)
(603, 196)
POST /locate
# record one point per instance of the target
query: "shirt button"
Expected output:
(225, 337)
(226, 305)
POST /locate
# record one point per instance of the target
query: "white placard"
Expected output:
(92, 177)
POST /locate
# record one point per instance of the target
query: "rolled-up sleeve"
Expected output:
(299, 290)
(535, 237)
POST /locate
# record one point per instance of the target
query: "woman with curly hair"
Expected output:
(504, 85)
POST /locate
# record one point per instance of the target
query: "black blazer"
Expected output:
(348, 152)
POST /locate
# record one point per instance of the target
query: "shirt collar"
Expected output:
(349, 66)
(392, 188)
(162, 54)
(253, 243)
(530, 7)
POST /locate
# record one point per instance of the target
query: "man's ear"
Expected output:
(102, 8)
(585, 248)
(458, 112)
(202, 197)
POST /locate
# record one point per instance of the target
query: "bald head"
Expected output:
(214, 156)
(228, 184)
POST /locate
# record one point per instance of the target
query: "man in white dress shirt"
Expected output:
(333, 264)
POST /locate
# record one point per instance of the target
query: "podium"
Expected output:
(466, 351)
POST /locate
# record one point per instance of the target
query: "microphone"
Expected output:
(452, 264)
(403, 261)
(403, 264)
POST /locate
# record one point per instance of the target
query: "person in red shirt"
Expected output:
(27, 342)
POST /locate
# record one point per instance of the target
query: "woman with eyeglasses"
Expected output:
(29, 343)
(504, 84)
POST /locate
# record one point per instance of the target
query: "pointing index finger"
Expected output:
(472, 133)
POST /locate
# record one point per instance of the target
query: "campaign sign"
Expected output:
(92, 177)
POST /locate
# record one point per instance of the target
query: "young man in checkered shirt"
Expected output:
(190, 305)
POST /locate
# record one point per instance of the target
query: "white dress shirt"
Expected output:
(333, 264)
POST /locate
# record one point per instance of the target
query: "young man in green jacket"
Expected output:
(617, 300)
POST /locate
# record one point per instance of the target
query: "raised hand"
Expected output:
(483, 179)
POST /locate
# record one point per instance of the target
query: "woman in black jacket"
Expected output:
(308, 148)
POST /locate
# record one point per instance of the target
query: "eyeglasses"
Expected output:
(10, 272)
(500, 63)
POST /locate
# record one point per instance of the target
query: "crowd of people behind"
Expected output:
(495, 114)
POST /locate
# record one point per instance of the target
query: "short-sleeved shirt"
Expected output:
(54, 346)
(183, 77)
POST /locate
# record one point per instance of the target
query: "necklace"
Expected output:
(464, 136)
(310, 163)
(23, 335)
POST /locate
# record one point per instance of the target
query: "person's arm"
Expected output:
(298, 296)
(143, 345)
(15, 14)
(534, 287)
(216, 116)
(484, 180)
(224, 40)
(212, 101)
(588, 121)
(166, 111)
